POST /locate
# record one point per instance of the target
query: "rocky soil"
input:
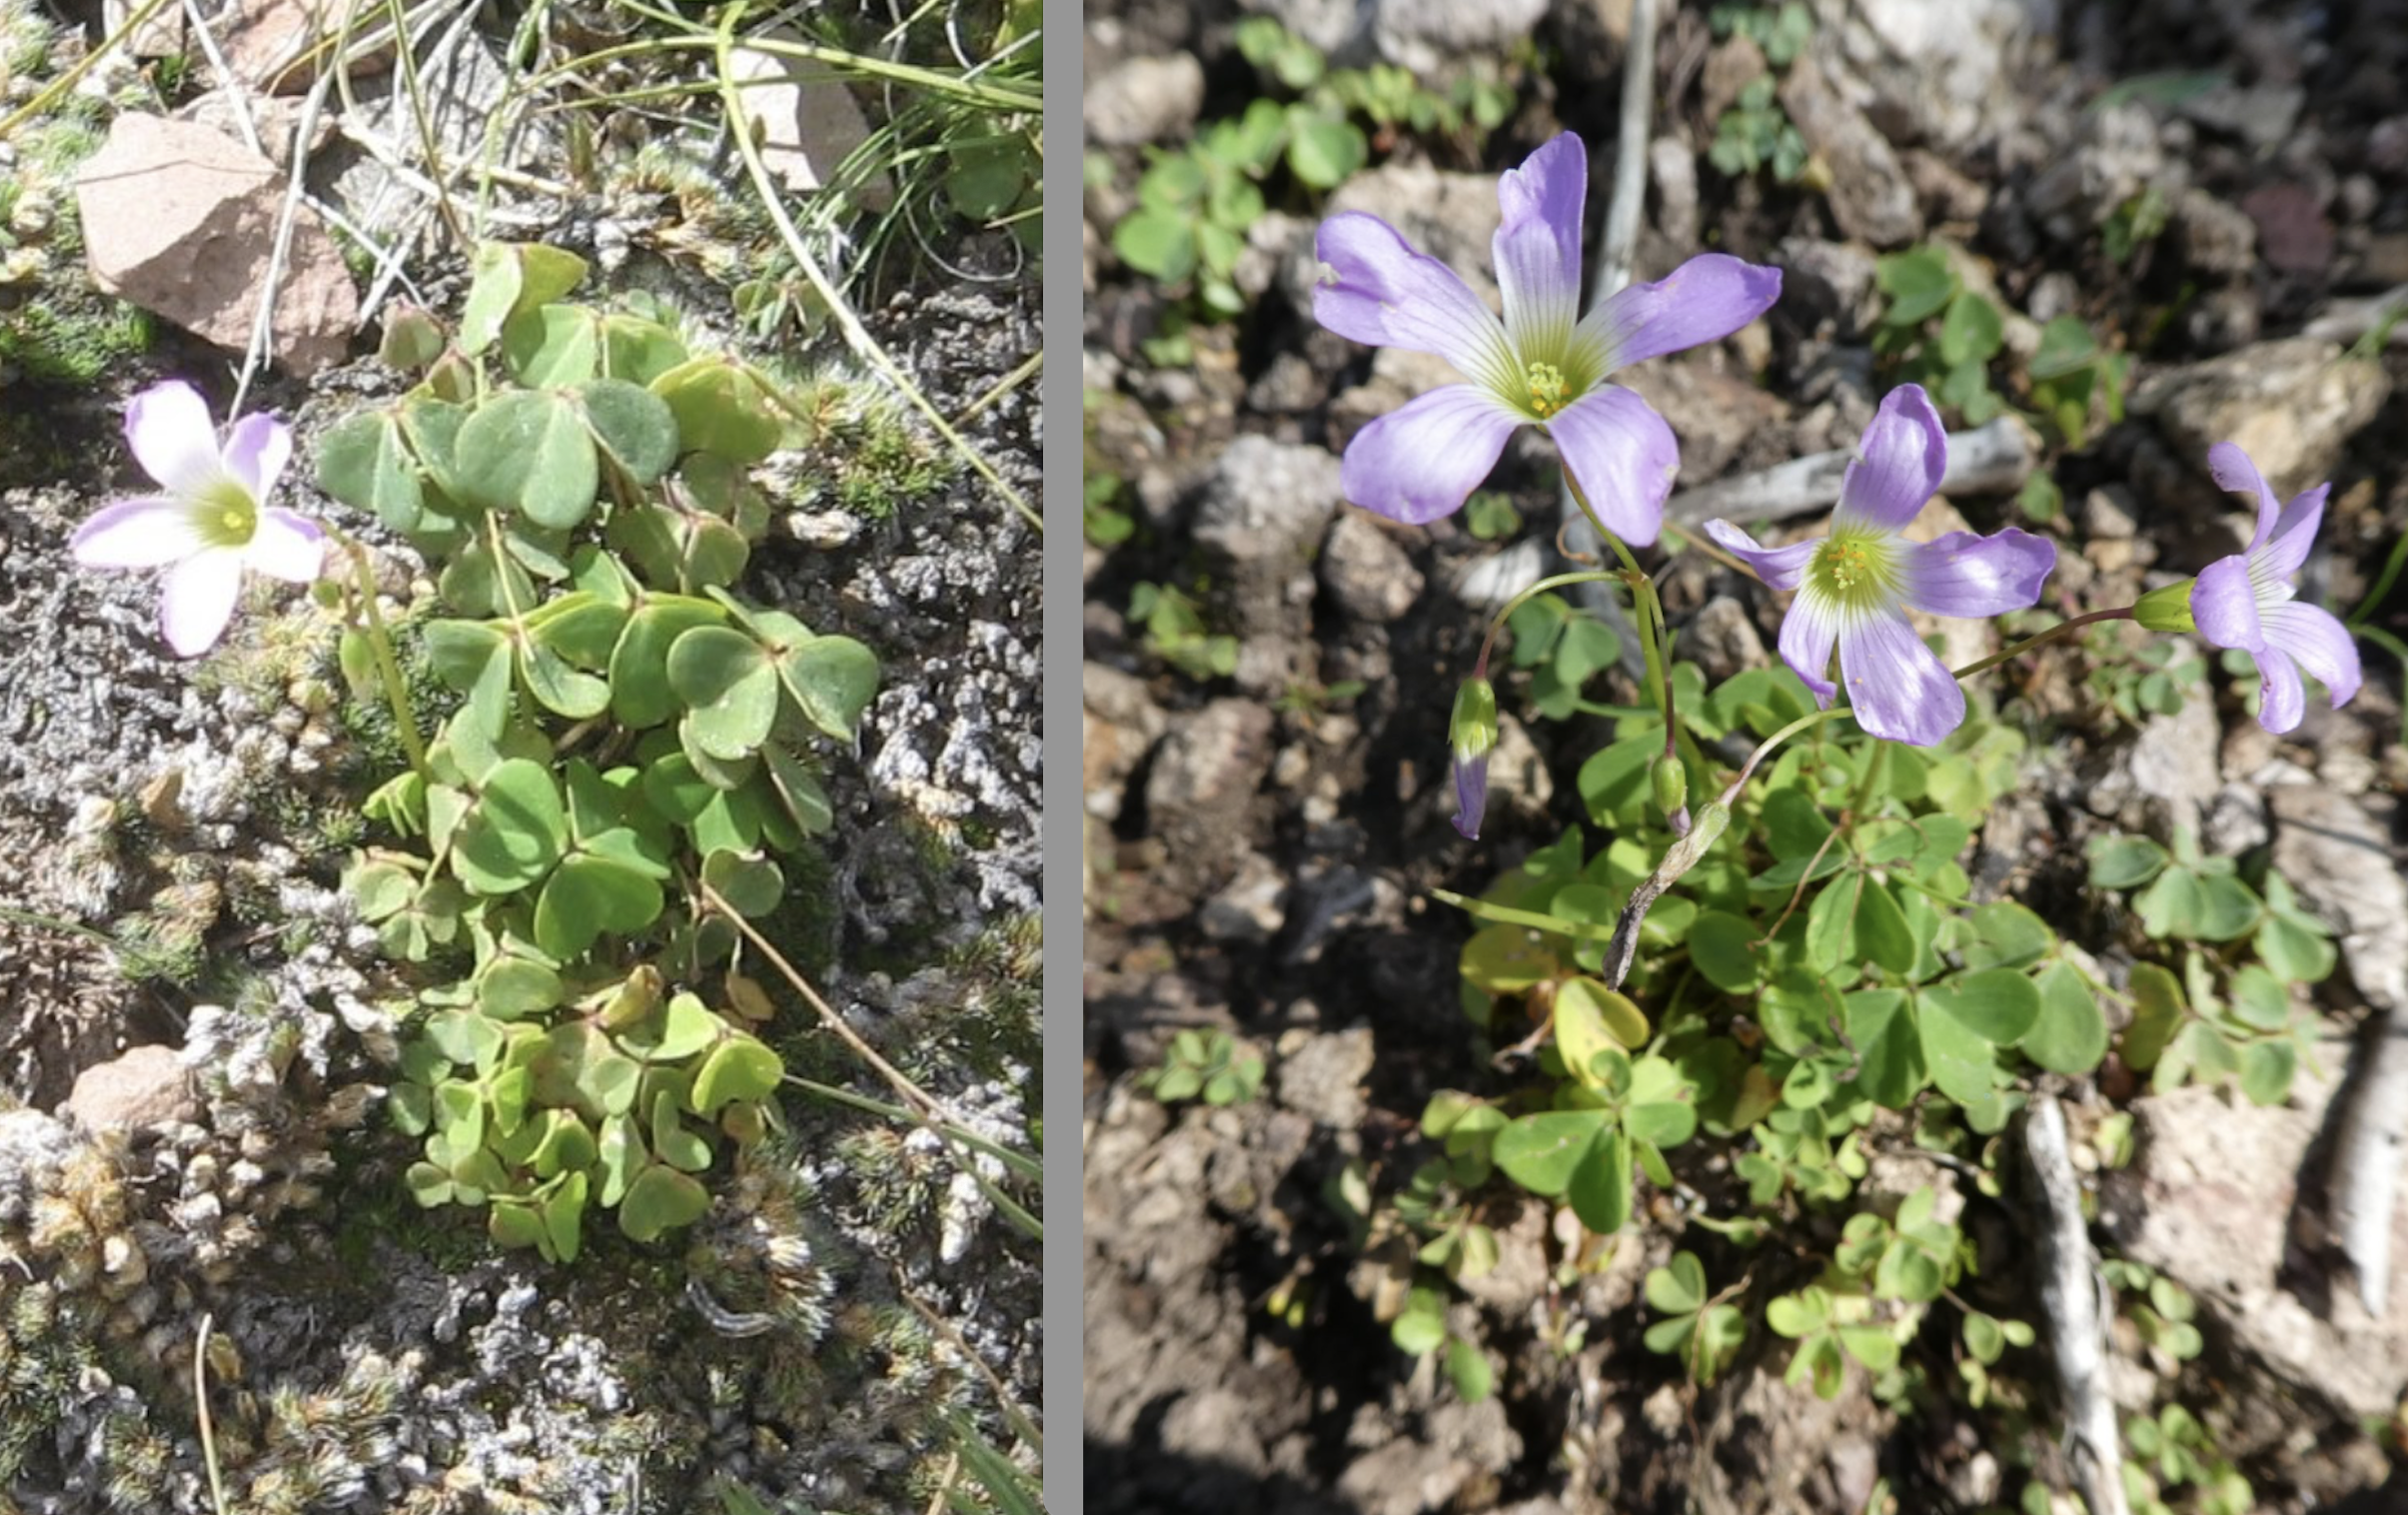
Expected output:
(192, 1138)
(1260, 850)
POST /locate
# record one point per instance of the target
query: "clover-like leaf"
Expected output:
(728, 686)
(1600, 1191)
(737, 1069)
(720, 407)
(511, 987)
(1539, 1152)
(633, 425)
(364, 462)
(833, 679)
(661, 1200)
(673, 1143)
(623, 1157)
(2070, 1036)
(577, 1068)
(588, 895)
(515, 833)
(528, 451)
(752, 885)
(639, 688)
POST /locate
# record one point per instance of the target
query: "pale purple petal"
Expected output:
(197, 600)
(285, 546)
(2281, 699)
(1902, 458)
(1781, 568)
(135, 534)
(2232, 470)
(1975, 576)
(1538, 247)
(257, 450)
(1388, 295)
(2225, 605)
(2285, 549)
(1471, 794)
(1420, 461)
(1704, 300)
(1624, 455)
(1806, 634)
(2318, 642)
(169, 430)
(1898, 687)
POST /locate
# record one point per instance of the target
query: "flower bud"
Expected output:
(1472, 736)
(1472, 731)
(2168, 609)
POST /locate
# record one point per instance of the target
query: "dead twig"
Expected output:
(2070, 1297)
(1989, 460)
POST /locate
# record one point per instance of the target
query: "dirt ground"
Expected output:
(1262, 842)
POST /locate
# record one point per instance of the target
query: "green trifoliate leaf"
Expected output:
(1541, 1151)
(661, 1200)
(721, 408)
(739, 1069)
(1600, 1190)
(588, 895)
(515, 832)
(529, 452)
(2070, 1036)
(364, 463)
(633, 425)
(833, 679)
(729, 688)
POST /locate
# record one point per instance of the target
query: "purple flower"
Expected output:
(1856, 586)
(210, 524)
(2245, 601)
(1544, 364)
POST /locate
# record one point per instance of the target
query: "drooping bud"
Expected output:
(1472, 736)
(2168, 609)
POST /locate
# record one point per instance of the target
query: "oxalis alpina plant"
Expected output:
(1742, 1003)
(630, 756)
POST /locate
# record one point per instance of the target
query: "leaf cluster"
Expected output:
(1206, 1064)
(632, 746)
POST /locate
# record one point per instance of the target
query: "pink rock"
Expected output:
(265, 43)
(181, 220)
(142, 1087)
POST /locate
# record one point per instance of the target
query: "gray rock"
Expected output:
(1722, 640)
(1215, 1426)
(2168, 775)
(2235, 822)
(1426, 35)
(1367, 570)
(2214, 238)
(1451, 217)
(1830, 281)
(1673, 175)
(1144, 100)
(2118, 156)
(1119, 724)
(1870, 195)
(1249, 911)
(2108, 512)
(1261, 514)
(2206, 1157)
(1321, 1078)
(2345, 867)
(2291, 404)
(1712, 410)
(1201, 790)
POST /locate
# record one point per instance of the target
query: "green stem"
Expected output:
(2383, 582)
(57, 923)
(1646, 610)
(2051, 635)
(1560, 581)
(389, 667)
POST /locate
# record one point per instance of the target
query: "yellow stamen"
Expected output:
(1546, 389)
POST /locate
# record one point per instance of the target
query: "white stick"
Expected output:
(2366, 1162)
(2070, 1296)
(1989, 460)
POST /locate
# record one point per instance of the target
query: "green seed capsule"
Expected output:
(1671, 779)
